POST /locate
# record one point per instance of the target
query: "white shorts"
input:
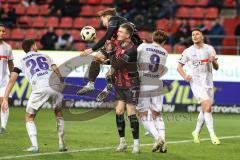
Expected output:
(202, 93)
(3, 86)
(2, 90)
(40, 96)
(152, 100)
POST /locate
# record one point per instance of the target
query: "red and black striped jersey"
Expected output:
(125, 64)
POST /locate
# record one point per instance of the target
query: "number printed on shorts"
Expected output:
(154, 60)
(37, 65)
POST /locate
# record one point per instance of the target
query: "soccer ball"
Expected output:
(88, 33)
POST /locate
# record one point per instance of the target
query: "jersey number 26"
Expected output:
(37, 65)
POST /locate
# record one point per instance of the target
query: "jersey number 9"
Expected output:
(154, 60)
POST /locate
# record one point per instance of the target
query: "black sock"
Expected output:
(120, 125)
(94, 71)
(134, 126)
(109, 81)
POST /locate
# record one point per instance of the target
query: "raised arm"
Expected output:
(61, 78)
(107, 36)
(57, 71)
(112, 28)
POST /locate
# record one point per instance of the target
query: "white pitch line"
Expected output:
(105, 148)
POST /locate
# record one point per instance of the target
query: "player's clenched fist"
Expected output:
(187, 78)
(212, 58)
(109, 46)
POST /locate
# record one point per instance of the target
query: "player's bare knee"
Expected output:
(58, 112)
(208, 109)
(120, 111)
(131, 109)
(131, 112)
(120, 108)
(155, 114)
(207, 106)
(143, 114)
(29, 117)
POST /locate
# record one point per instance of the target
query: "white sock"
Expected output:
(105, 89)
(200, 122)
(90, 84)
(149, 116)
(150, 127)
(209, 122)
(4, 118)
(60, 130)
(160, 125)
(32, 133)
(122, 140)
(136, 142)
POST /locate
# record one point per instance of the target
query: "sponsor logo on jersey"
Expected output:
(200, 62)
(3, 57)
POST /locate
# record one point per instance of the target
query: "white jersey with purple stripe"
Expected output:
(37, 69)
(151, 58)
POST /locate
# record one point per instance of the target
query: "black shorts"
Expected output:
(129, 96)
(108, 56)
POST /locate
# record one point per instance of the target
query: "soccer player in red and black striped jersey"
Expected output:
(110, 20)
(124, 63)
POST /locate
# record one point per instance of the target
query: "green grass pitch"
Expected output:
(96, 139)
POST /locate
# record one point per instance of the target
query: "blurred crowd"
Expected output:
(183, 33)
(60, 8)
(66, 8)
(50, 41)
(10, 17)
(69, 8)
(143, 13)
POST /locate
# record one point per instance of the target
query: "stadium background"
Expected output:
(33, 18)
(96, 138)
(57, 29)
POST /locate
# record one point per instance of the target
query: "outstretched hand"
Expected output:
(88, 51)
